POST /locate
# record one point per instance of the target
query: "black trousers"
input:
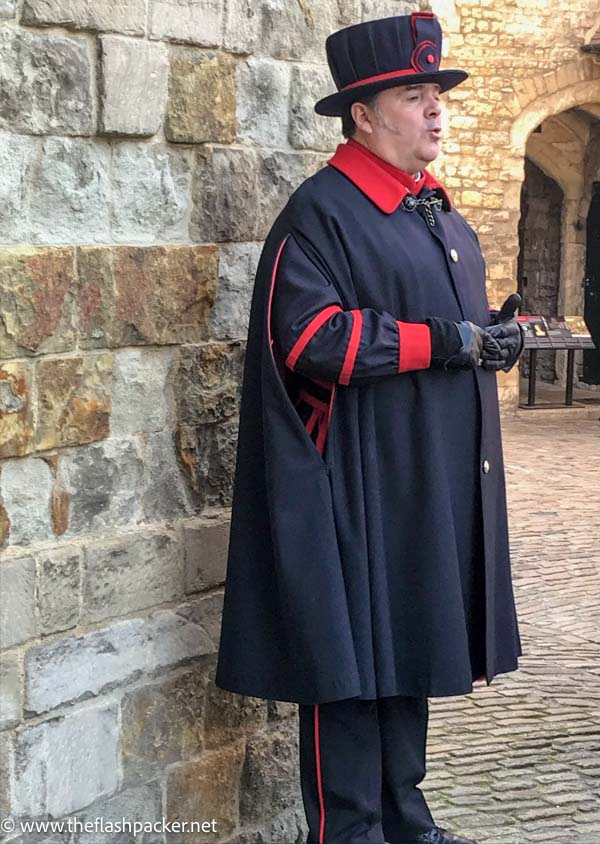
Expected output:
(360, 765)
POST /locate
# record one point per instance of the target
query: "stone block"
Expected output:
(102, 483)
(208, 453)
(150, 190)
(46, 84)
(205, 789)
(131, 573)
(4, 523)
(11, 692)
(70, 203)
(207, 384)
(6, 762)
(58, 588)
(16, 412)
(74, 400)
(229, 716)
(16, 159)
(389, 8)
(190, 21)
(166, 489)
(269, 784)
(238, 193)
(202, 97)
(63, 764)
(133, 77)
(242, 26)
(36, 301)
(290, 827)
(162, 723)
(145, 295)
(308, 130)
(299, 30)
(263, 102)
(26, 488)
(79, 667)
(142, 805)
(7, 9)
(142, 391)
(237, 270)
(127, 16)
(205, 552)
(17, 599)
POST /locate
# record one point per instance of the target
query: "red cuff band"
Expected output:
(352, 347)
(414, 339)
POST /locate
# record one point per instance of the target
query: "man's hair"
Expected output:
(348, 124)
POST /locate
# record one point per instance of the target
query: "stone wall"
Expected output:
(145, 148)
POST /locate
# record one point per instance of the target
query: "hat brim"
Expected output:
(334, 104)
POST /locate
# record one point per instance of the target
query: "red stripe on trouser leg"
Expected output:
(319, 780)
(414, 346)
(308, 333)
(352, 348)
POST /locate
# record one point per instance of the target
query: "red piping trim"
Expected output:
(414, 339)
(273, 277)
(352, 348)
(319, 405)
(379, 78)
(319, 780)
(308, 333)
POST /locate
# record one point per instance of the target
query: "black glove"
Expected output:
(460, 345)
(508, 334)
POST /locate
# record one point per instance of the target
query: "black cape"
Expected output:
(381, 566)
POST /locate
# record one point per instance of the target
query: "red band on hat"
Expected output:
(380, 78)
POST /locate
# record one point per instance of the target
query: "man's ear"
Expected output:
(361, 117)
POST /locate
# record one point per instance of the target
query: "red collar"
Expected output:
(384, 184)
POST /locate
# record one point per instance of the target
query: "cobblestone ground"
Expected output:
(519, 761)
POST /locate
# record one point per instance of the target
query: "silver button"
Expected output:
(486, 467)
(454, 255)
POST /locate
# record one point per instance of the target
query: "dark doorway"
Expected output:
(591, 313)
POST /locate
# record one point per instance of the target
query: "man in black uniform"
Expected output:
(368, 565)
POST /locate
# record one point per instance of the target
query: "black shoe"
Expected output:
(436, 835)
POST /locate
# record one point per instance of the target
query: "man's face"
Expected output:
(405, 125)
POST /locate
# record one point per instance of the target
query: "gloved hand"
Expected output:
(461, 345)
(508, 334)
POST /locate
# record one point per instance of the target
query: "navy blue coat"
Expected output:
(369, 546)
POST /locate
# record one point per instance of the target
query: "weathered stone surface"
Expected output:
(242, 26)
(4, 523)
(205, 550)
(81, 666)
(70, 201)
(290, 827)
(58, 588)
(36, 300)
(269, 783)
(202, 97)
(145, 295)
(83, 747)
(142, 392)
(308, 130)
(130, 573)
(16, 412)
(17, 599)
(133, 77)
(205, 789)
(162, 723)
(102, 482)
(46, 84)
(387, 8)
(190, 21)
(229, 716)
(11, 692)
(16, 157)
(150, 192)
(127, 16)
(237, 270)
(5, 776)
(207, 385)
(166, 490)
(26, 487)
(263, 97)
(238, 193)
(74, 400)
(137, 805)
(208, 452)
(7, 9)
(299, 30)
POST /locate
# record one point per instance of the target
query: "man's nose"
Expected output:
(434, 107)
